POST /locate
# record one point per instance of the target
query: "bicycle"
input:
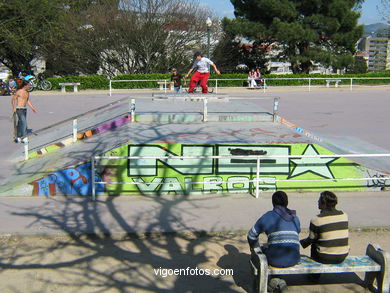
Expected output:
(38, 82)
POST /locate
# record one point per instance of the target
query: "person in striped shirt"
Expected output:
(328, 234)
(282, 227)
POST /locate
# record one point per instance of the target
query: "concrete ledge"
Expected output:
(191, 97)
(197, 117)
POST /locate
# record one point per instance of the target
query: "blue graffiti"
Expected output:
(72, 181)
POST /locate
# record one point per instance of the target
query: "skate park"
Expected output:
(328, 122)
(345, 120)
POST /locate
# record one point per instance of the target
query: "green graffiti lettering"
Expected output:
(171, 184)
(238, 184)
(189, 188)
(211, 184)
(148, 167)
(145, 187)
(265, 184)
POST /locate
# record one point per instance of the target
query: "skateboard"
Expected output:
(14, 119)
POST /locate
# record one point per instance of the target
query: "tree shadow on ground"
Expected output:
(239, 262)
(76, 261)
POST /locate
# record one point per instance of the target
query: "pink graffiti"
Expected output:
(113, 124)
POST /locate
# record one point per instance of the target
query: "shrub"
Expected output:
(100, 82)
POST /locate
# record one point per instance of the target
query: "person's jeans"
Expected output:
(22, 122)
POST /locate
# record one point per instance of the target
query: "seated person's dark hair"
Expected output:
(328, 198)
(279, 198)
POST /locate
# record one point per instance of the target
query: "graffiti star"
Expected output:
(318, 166)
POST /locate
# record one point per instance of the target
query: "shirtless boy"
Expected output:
(19, 106)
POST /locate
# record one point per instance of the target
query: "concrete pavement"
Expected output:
(169, 213)
(361, 114)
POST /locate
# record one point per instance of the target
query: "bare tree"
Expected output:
(156, 35)
(384, 10)
(134, 36)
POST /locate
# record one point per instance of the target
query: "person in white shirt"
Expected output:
(202, 72)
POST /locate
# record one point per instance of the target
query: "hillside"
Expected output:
(375, 28)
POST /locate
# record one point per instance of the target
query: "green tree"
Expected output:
(26, 27)
(230, 53)
(306, 31)
(359, 65)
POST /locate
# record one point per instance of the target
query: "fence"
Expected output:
(309, 83)
(254, 181)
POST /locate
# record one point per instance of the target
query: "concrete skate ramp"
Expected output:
(352, 145)
(165, 126)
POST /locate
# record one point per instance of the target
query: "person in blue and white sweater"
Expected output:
(282, 227)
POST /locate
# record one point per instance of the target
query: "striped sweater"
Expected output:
(328, 236)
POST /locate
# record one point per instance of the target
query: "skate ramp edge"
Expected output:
(68, 170)
(230, 175)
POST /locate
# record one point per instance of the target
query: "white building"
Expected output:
(4, 72)
(378, 51)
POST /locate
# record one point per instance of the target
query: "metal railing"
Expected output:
(254, 181)
(163, 84)
(72, 126)
(275, 108)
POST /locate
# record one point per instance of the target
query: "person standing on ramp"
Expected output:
(202, 72)
(19, 106)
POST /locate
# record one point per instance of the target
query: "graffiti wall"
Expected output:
(72, 181)
(172, 175)
(233, 175)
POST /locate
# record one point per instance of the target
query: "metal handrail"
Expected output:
(254, 181)
(131, 110)
(309, 79)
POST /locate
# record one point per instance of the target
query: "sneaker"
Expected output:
(18, 140)
(277, 285)
(283, 286)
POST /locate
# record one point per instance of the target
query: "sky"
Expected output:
(225, 8)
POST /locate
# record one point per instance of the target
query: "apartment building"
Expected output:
(378, 52)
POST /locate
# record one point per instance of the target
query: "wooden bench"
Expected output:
(336, 82)
(74, 84)
(375, 264)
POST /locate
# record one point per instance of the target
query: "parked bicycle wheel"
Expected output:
(45, 85)
(33, 85)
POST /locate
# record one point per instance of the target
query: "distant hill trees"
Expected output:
(376, 28)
